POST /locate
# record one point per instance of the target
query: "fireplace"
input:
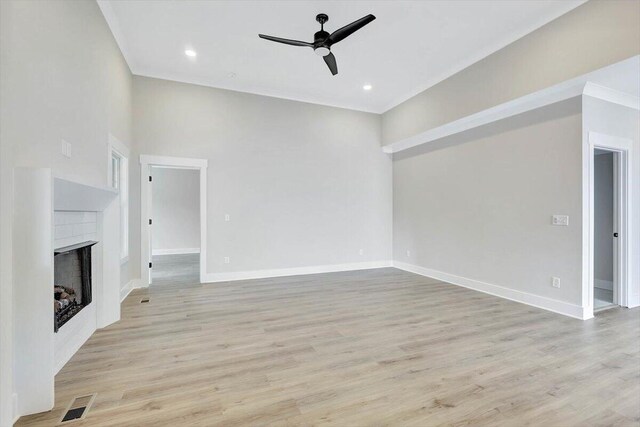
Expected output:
(72, 284)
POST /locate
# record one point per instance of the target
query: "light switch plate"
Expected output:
(560, 220)
(555, 282)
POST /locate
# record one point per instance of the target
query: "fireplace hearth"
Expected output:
(72, 285)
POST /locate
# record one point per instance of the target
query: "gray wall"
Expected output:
(304, 184)
(6, 238)
(591, 36)
(481, 209)
(68, 80)
(603, 211)
(62, 76)
(176, 209)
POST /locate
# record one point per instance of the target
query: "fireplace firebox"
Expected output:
(72, 284)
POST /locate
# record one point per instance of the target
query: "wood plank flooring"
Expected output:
(367, 348)
(175, 269)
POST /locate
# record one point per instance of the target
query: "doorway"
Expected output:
(609, 238)
(172, 231)
(605, 212)
(174, 226)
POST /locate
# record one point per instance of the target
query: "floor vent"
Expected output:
(143, 300)
(78, 408)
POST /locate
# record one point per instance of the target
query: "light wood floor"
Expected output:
(175, 269)
(368, 348)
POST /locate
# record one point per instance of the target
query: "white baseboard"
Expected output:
(177, 251)
(297, 271)
(545, 303)
(16, 415)
(131, 285)
(604, 284)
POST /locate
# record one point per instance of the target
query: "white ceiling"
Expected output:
(409, 47)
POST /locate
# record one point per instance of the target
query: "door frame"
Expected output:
(146, 163)
(621, 147)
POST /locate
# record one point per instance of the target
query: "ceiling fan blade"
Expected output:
(285, 41)
(347, 30)
(331, 62)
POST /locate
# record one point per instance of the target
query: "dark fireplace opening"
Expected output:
(72, 281)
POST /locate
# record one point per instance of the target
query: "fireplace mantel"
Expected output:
(66, 249)
(74, 196)
(39, 352)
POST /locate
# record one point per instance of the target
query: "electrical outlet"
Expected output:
(227, 217)
(227, 260)
(560, 220)
(65, 148)
(361, 251)
(408, 253)
(555, 282)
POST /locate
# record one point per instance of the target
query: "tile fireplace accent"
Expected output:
(73, 227)
(72, 281)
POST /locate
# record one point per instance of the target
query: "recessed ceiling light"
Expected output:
(367, 87)
(191, 53)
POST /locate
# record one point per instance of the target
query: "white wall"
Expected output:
(480, 210)
(62, 76)
(176, 210)
(304, 185)
(6, 234)
(617, 120)
(603, 223)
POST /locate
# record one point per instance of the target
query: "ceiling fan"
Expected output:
(323, 41)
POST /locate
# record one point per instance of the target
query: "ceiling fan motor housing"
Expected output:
(319, 45)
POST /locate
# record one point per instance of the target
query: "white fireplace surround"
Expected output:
(39, 352)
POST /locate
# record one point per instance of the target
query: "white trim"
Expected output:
(112, 20)
(520, 105)
(623, 281)
(578, 86)
(173, 162)
(176, 251)
(118, 146)
(126, 290)
(549, 304)
(115, 146)
(611, 95)
(130, 286)
(295, 271)
(14, 400)
(604, 284)
(146, 162)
